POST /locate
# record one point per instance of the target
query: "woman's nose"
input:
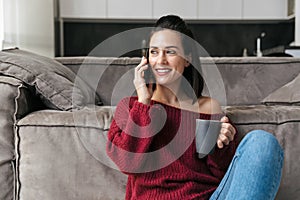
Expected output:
(162, 58)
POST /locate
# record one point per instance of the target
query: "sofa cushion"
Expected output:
(289, 94)
(247, 80)
(112, 78)
(57, 86)
(62, 158)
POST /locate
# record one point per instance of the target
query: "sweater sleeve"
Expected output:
(131, 134)
(219, 161)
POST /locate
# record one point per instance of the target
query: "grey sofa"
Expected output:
(53, 126)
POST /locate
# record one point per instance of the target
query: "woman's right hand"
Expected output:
(144, 93)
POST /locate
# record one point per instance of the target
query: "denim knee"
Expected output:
(262, 143)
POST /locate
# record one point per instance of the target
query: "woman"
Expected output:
(152, 135)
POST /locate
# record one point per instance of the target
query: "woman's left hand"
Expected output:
(227, 133)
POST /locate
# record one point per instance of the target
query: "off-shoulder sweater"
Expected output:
(155, 146)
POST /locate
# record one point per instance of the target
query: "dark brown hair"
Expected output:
(192, 72)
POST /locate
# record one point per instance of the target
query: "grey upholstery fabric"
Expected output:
(247, 81)
(55, 161)
(57, 86)
(14, 105)
(61, 154)
(98, 71)
(288, 94)
(73, 146)
(284, 123)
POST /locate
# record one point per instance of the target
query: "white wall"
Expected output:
(29, 25)
(1, 24)
(297, 22)
(10, 23)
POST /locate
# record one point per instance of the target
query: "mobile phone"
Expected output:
(148, 74)
(149, 78)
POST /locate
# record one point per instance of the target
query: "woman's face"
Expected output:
(166, 56)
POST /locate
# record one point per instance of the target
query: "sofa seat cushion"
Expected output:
(63, 154)
(284, 123)
(58, 87)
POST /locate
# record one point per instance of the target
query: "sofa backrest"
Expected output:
(246, 80)
(111, 78)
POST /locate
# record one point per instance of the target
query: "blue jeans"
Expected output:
(255, 170)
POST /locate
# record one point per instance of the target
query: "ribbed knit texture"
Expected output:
(135, 128)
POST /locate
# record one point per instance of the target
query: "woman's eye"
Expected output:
(153, 51)
(171, 52)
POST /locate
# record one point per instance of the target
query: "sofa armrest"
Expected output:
(16, 101)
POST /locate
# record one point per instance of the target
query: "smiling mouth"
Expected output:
(162, 71)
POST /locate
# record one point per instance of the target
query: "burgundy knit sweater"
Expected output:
(154, 145)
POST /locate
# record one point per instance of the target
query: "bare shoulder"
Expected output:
(209, 105)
